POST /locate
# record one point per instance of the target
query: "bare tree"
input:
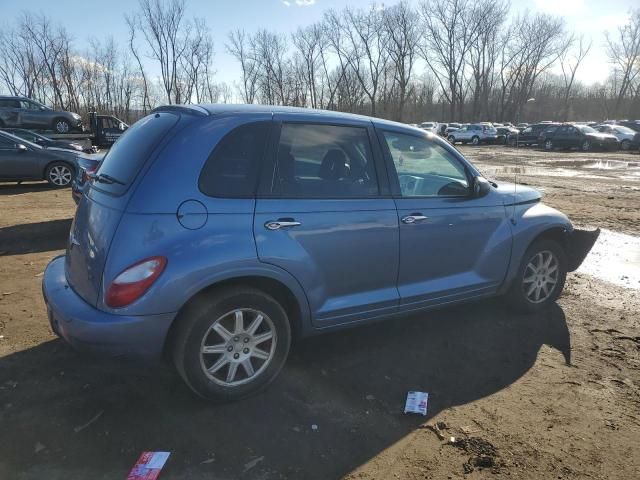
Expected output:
(238, 46)
(624, 54)
(569, 65)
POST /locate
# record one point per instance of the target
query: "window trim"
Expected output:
(396, 193)
(266, 152)
(271, 190)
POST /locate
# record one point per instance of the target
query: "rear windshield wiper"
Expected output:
(104, 178)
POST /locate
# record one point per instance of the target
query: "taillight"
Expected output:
(132, 282)
(87, 172)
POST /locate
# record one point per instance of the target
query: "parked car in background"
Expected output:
(632, 124)
(87, 167)
(583, 137)
(625, 135)
(506, 135)
(442, 129)
(531, 134)
(475, 134)
(429, 126)
(22, 112)
(453, 125)
(22, 160)
(220, 262)
(47, 142)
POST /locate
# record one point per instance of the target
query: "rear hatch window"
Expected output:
(130, 152)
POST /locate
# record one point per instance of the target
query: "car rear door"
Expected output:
(324, 214)
(453, 245)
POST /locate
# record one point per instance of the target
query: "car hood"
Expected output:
(513, 193)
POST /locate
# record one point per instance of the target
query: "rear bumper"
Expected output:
(578, 245)
(89, 329)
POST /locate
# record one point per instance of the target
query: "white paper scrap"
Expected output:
(416, 403)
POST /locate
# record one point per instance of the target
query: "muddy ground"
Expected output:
(552, 395)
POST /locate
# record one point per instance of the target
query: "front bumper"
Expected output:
(86, 328)
(578, 245)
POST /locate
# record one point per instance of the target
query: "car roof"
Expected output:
(244, 109)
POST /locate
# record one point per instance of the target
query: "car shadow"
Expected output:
(337, 403)
(34, 237)
(14, 188)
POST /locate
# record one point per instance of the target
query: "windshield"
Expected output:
(585, 129)
(624, 130)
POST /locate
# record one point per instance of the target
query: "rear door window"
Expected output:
(131, 151)
(231, 170)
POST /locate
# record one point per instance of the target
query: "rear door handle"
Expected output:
(413, 218)
(278, 224)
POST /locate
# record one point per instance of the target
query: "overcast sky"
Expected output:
(87, 18)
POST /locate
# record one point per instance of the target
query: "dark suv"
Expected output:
(22, 112)
(583, 137)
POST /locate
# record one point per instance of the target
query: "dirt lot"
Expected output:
(554, 395)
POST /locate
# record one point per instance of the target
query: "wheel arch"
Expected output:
(297, 308)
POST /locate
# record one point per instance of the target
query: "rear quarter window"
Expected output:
(231, 171)
(130, 152)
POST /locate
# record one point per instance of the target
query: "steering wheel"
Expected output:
(409, 184)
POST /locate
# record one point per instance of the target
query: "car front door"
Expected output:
(32, 116)
(18, 162)
(324, 214)
(462, 134)
(453, 245)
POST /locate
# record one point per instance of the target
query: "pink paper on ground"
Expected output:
(148, 466)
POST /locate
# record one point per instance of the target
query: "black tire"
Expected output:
(548, 144)
(60, 125)
(625, 145)
(59, 174)
(517, 297)
(475, 140)
(194, 328)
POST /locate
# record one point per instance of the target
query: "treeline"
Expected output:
(464, 60)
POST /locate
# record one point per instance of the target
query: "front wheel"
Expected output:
(59, 174)
(475, 140)
(452, 139)
(548, 145)
(61, 126)
(625, 145)
(231, 344)
(540, 278)
(586, 146)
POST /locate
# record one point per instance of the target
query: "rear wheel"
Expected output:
(475, 140)
(540, 278)
(231, 344)
(548, 145)
(625, 145)
(59, 174)
(586, 146)
(452, 139)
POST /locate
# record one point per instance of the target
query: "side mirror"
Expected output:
(41, 108)
(481, 187)
(21, 148)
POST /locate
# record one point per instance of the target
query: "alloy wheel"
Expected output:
(586, 146)
(62, 126)
(540, 276)
(238, 347)
(548, 145)
(60, 175)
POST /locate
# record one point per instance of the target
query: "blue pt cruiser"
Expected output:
(216, 233)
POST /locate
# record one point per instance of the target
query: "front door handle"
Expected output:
(278, 224)
(413, 218)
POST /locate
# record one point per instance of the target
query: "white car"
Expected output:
(623, 134)
(429, 126)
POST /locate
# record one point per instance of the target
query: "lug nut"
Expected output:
(246, 350)
(236, 355)
(246, 340)
(229, 348)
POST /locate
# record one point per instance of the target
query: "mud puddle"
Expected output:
(615, 258)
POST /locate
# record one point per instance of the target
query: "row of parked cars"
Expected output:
(610, 135)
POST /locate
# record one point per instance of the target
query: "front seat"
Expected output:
(334, 165)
